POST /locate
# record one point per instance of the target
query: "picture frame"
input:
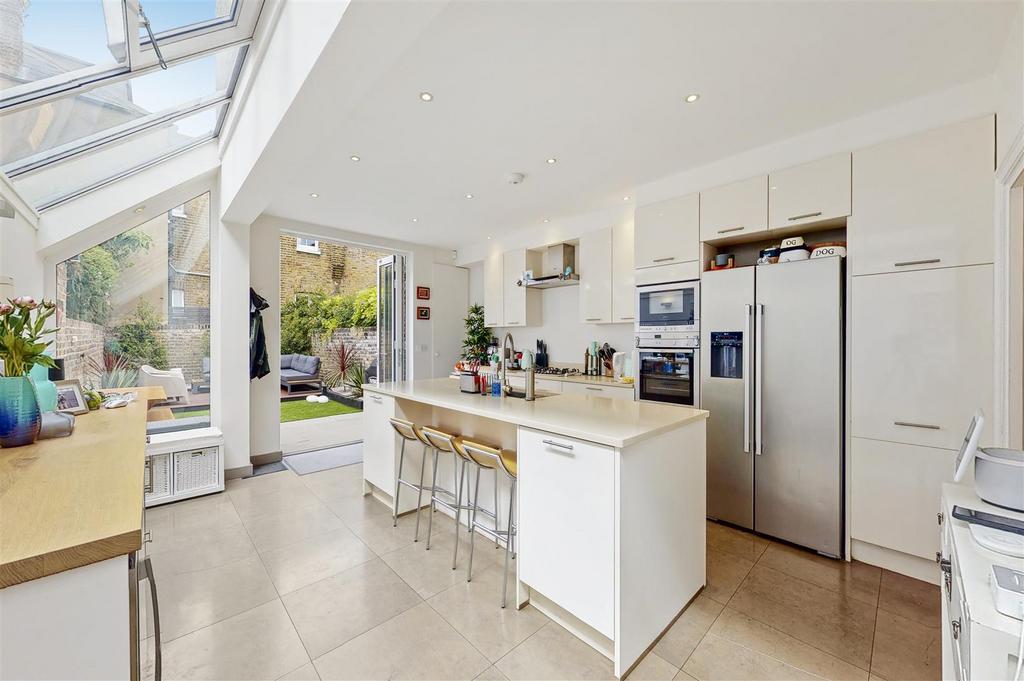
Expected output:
(422, 313)
(70, 398)
(422, 293)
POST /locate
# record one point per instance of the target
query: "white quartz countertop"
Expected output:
(576, 378)
(606, 421)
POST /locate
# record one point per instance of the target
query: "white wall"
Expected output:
(19, 259)
(1009, 79)
(264, 393)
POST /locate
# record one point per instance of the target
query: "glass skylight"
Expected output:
(79, 86)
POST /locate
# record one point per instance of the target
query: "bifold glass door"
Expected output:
(391, 319)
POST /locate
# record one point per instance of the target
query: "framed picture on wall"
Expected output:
(70, 398)
(423, 293)
(422, 313)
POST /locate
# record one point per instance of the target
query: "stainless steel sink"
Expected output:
(522, 394)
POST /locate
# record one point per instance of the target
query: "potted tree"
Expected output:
(22, 322)
(478, 336)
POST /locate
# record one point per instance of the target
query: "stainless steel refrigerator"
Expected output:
(772, 377)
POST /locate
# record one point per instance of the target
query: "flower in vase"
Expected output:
(25, 302)
(6, 308)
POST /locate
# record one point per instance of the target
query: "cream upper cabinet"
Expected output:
(735, 209)
(494, 291)
(921, 354)
(667, 232)
(623, 277)
(522, 305)
(924, 200)
(595, 265)
(809, 193)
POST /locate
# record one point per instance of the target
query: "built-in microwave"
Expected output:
(672, 308)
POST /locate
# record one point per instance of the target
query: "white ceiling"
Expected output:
(600, 86)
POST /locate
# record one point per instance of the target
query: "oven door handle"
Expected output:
(748, 328)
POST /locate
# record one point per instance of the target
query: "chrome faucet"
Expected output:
(506, 360)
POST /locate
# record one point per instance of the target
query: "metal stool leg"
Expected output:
(497, 525)
(430, 513)
(508, 541)
(398, 484)
(472, 526)
(458, 511)
(419, 495)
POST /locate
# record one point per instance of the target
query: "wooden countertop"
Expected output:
(69, 502)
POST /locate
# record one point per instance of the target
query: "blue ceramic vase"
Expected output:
(19, 411)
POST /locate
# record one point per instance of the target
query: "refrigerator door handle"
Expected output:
(747, 368)
(759, 385)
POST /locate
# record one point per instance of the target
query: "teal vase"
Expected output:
(19, 411)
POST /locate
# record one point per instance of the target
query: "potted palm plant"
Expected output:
(22, 329)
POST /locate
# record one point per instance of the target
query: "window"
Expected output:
(76, 79)
(307, 246)
(135, 311)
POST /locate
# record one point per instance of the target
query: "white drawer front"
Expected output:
(895, 494)
(567, 524)
(379, 441)
(613, 392)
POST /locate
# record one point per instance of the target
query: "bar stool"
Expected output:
(499, 460)
(441, 441)
(409, 432)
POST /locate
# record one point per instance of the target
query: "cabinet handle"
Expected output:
(908, 263)
(375, 398)
(805, 215)
(664, 259)
(939, 517)
(594, 319)
(560, 445)
(147, 487)
(731, 229)
(926, 426)
(511, 323)
(956, 628)
(627, 319)
(590, 387)
(147, 537)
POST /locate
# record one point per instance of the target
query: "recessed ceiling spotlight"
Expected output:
(469, 196)
(692, 97)
(354, 158)
(625, 198)
(314, 195)
(773, 187)
(488, 238)
(415, 219)
(546, 220)
(552, 161)
(426, 96)
(140, 209)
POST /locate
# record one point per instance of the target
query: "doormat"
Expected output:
(263, 469)
(325, 459)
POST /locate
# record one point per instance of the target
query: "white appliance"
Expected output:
(998, 473)
(670, 309)
(668, 373)
(772, 378)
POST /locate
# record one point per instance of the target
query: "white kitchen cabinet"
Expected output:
(667, 232)
(567, 524)
(379, 446)
(895, 494)
(921, 354)
(522, 305)
(494, 291)
(812, 192)
(733, 210)
(924, 201)
(594, 255)
(599, 390)
(623, 276)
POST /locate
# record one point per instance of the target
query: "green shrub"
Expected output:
(320, 313)
(93, 275)
(137, 340)
(299, 319)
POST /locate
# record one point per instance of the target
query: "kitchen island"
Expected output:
(610, 500)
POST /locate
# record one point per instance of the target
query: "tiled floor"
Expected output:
(288, 577)
(327, 431)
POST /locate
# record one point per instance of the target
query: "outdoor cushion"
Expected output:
(307, 364)
(291, 375)
(286, 361)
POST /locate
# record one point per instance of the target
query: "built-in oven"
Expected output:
(672, 308)
(667, 374)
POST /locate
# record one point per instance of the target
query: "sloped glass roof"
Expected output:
(81, 77)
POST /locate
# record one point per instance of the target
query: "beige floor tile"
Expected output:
(193, 515)
(261, 503)
(911, 598)
(653, 668)
(474, 610)
(554, 654)
(682, 638)
(192, 600)
(371, 521)
(717, 659)
(742, 544)
(276, 530)
(725, 572)
(430, 572)
(190, 552)
(336, 483)
(339, 608)
(417, 644)
(257, 644)
(683, 676)
(832, 622)
(906, 650)
(306, 672)
(492, 673)
(327, 431)
(261, 483)
(310, 560)
(750, 633)
(851, 578)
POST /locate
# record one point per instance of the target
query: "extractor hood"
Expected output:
(559, 268)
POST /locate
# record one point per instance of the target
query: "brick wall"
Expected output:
(310, 272)
(76, 343)
(361, 343)
(189, 251)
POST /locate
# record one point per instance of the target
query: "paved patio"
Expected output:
(303, 436)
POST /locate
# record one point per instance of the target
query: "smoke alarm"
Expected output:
(515, 178)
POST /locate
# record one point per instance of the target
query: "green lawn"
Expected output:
(293, 410)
